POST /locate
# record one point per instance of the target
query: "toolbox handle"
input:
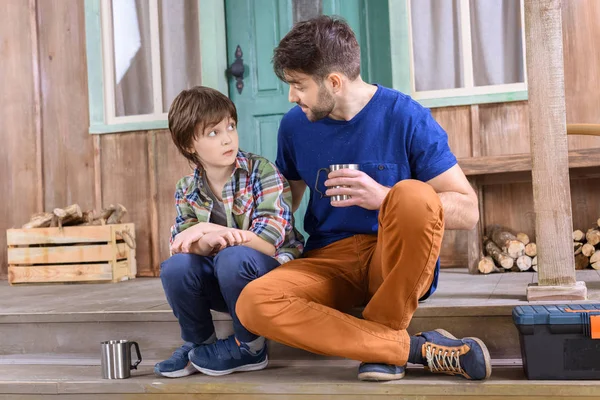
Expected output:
(590, 320)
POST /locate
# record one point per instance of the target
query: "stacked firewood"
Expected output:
(586, 247)
(506, 251)
(72, 215)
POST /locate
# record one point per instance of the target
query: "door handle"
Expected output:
(237, 69)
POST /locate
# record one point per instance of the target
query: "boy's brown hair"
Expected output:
(318, 47)
(193, 111)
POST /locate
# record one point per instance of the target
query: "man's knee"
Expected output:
(411, 200)
(251, 305)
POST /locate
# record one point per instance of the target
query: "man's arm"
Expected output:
(461, 210)
(298, 188)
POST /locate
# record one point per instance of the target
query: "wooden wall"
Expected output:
(48, 159)
(44, 98)
(503, 129)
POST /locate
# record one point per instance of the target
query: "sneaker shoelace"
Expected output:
(442, 360)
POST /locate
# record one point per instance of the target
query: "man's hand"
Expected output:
(362, 189)
(184, 240)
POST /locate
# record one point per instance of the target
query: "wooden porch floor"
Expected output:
(457, 290)
(51, 334)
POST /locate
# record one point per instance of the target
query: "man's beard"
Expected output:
(324, 106)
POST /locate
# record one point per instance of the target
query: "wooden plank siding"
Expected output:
(140, 169)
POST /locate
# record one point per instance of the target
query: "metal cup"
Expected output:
(116, 359)
(335, 167)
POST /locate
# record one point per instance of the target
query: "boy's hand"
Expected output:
(218, 240)
(184, 240)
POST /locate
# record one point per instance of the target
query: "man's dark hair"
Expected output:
(318, 47)
(194, 110)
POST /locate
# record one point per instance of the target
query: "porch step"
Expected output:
(51, 323)
(78, 334)
(286, 380)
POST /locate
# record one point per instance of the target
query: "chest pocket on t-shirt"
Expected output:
(386, 174)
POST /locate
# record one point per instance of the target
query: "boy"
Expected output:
(234, 224)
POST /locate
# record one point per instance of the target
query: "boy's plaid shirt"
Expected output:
(256, 198)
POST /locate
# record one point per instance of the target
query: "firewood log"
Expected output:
(88, 216)
(577, 246)
(507, 242)
(106, 212)
(593, 237)
(595, 260)
(581, 261)
(503, 259)
(588, 250)
(531, 250)
(117, 215)
(524, 263)
(486, 265)
(534, 264)
(578, 236)
(40, 220)
(70, 215)
(523, 238)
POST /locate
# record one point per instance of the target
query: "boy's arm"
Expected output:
(186, 217)
(272, 216)
(259, 244)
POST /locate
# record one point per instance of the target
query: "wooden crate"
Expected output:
(71, 254)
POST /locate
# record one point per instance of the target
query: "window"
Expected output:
(455, 52)
(142, 53)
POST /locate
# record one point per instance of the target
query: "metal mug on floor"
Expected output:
(116, 359)
(335, 167)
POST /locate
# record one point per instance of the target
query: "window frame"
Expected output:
(402, 65)
(213, 61)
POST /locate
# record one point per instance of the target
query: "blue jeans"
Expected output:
(196, 284)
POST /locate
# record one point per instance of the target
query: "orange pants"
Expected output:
(301, 303)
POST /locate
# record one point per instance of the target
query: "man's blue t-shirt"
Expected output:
(392, 138)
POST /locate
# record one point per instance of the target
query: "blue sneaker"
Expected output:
(178, 364)
(226, 356)
(446, 354)
(380, 372)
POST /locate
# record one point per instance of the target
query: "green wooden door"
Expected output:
(257, 26)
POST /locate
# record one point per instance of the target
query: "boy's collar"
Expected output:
(241, 162)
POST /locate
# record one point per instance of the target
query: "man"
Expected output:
(380, 247)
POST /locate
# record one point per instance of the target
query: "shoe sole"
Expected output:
(188, 370)
(484, 349)
(243, 368)
(379, 376)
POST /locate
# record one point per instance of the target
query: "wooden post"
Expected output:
(549, 152)
(475, 235)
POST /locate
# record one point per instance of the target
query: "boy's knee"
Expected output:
(176, 266)
(233, 255)
(232, 266)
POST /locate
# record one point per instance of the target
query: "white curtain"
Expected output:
(179, 47)
(495, 43)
